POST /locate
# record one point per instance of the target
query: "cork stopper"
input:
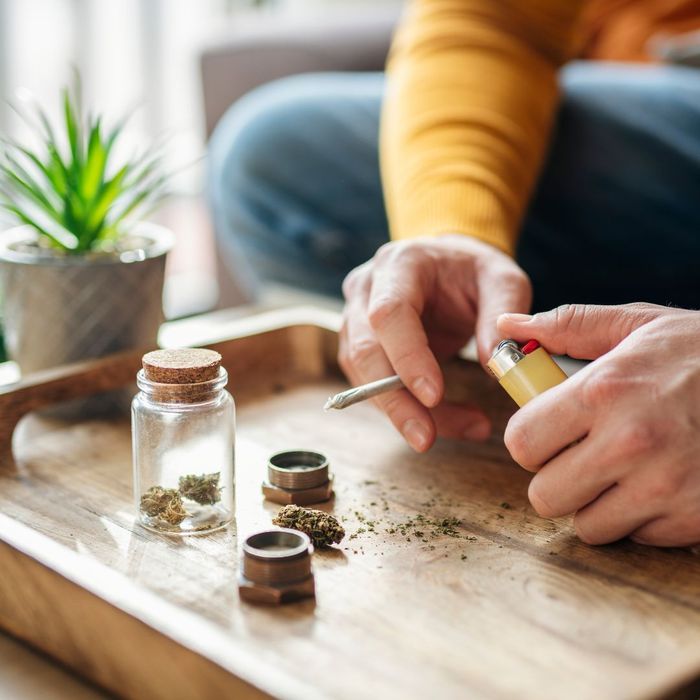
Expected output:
(181, 365)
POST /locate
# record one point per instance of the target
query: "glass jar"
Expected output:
(183, 434)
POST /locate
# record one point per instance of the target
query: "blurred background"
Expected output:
(175, 66)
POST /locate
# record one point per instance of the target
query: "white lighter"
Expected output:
(524, 371)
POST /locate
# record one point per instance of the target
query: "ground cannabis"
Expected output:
(203, 489)
(322, 528)
(165, 504)
(432, 529)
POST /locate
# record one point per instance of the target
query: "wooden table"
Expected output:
(513, 606)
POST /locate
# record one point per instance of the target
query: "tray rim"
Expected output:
(47, 387)
(233, 330)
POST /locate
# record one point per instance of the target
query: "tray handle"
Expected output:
(52, 386)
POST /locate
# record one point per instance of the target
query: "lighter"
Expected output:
(524, 372)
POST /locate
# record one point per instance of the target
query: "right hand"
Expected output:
(419, 301)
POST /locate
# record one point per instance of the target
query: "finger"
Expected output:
(359, 278)
(355, 289)
(361, 354)
(547, 425)
(612, 516)
(583, 331)
(410, 418)
(570, 481)
(395, 305)
(669, 531)
(503, 288)
(364, 361)
(460, 422)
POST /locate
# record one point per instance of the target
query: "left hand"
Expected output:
(636, 409)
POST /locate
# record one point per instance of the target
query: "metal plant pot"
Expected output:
(64, 308)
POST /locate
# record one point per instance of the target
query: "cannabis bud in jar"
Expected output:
(203, 489)
(165, 504)
(322, 528)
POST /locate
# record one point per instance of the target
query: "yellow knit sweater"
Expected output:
(469, 102)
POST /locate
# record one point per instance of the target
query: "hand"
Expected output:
(417, 302)
(636, 471)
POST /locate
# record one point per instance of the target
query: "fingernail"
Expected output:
(416, 434)
(426, 391)
(478, 432)
(515, 318)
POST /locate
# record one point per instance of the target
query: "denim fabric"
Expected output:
(296, 192)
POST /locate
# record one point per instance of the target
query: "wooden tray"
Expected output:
(516, 607)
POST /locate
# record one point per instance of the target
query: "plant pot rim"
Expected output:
(161, 241)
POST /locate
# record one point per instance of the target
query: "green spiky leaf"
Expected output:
(70, 190)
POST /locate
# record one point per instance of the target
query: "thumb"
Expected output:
(583, 331)
(500, 291)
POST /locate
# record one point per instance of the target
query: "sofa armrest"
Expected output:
(252, 57)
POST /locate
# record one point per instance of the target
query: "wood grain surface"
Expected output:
(513, 607)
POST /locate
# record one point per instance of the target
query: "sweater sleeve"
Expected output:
(470, 97)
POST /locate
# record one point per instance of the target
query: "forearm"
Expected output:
(471, 94)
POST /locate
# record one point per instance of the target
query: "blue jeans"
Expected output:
(296, 193)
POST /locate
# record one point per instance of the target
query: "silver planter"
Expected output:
(64, 308)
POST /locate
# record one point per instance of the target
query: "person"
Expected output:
(514, 179)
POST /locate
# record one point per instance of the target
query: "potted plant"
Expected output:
(82, 274)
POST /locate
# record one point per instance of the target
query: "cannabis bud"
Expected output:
(322, 528)
(165, 504)
(203, 489)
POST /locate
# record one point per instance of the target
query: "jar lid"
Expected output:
(181, 365)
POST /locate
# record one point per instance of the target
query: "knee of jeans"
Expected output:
(587, 89)
(237, 150)
(626, 93)
(255, 140)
